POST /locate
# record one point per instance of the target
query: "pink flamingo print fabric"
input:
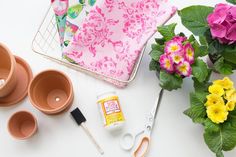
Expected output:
(114, 33)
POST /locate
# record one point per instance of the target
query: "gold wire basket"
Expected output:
(46, 43)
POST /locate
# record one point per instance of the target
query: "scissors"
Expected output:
(128, 140)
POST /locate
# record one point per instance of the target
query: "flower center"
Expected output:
(183, 68)
(174, 48)
(189, 52)
(168, 64)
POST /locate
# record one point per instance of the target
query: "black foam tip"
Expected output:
(78, 116)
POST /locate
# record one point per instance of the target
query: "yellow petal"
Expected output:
(216, 89)
(217, 113)
(230, 105)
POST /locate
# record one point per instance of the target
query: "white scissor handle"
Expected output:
(127, 140)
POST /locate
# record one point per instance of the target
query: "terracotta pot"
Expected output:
(51, 92)
(7, 71)
(22, 125)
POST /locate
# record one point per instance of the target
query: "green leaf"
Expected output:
(194, 18)
(202, 86)
(231, 1)
(229, 55)
(222, 140)
(200, 70)
(197, 113)
(199, 50)
(158, 47)
(153, 65)
(198, 98)
(170, 81)
(210, 126)
(155, 54)
(203, 40)
(197, 110)
(167, 31)
(223, 67)
(160, 41)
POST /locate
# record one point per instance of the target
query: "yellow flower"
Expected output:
(216, 89)
(232, 97)
(214, 99)
(228, 93)
(217, 113)
(226, 83)
(230, 105)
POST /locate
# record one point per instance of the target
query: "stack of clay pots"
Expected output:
(50, 91)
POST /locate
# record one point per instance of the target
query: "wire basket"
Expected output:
(47, 44)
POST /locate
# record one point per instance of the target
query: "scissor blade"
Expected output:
(158, 103)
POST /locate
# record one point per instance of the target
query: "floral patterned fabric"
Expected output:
(114, 33)
(78, 9)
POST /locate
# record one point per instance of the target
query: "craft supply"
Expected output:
(113, 35)
(22, 125)
(7, 71)
(60, 8)
(141, 140)
(112, 115)
(77, 11)
(24, 75)
(80, 120)
(51, 92)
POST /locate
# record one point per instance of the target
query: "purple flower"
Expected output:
(222, 23)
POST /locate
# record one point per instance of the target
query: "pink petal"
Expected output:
(231, 34)
(189, 49)
(233, 12)
(218, 30)
(187, 72)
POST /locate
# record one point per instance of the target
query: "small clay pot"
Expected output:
(22, 125)
(51, 92)
(7, 71)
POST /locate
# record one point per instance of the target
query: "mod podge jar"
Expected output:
(111, 112)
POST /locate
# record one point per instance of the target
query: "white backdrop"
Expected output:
(58, 136)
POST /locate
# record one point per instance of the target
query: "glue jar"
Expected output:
(112, 115)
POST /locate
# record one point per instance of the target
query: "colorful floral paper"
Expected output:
(114, 33)
(77, 11)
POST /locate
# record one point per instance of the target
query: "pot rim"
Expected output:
(33, 131)
(13, 65)
(58, 109)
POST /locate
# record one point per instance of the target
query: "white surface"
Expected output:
(58, 136)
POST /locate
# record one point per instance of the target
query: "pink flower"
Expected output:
(173, 46)
(189, 53)
(166, 63)
(222, 23)
(180, 39)
(177, 57)
(184, 69)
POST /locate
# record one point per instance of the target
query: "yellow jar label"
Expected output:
(111, 110)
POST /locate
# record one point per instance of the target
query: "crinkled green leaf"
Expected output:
(158, 47)
(153, 65)
(222, 140)
(231, 1)
(170, 81)
(223, 67)
(155, 54)
(210, 126)
(200, 70)
(194, 18)
(198, 98)
(229, 54)
(167, 31)
(160, 41)
(202, 86)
